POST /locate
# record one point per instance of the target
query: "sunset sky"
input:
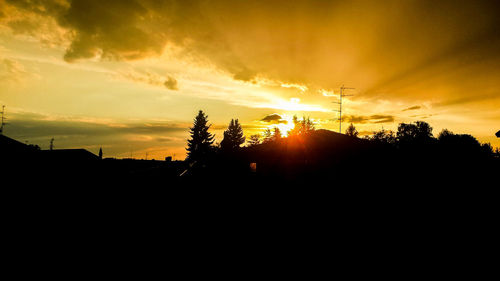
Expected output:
(130, 75)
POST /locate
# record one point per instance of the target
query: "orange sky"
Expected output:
(131, 75)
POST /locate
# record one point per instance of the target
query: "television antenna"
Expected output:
(342, 94)
(3, 119)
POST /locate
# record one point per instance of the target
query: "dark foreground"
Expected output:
(323, 161)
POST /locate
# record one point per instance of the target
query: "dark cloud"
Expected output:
(116, 139)
(412, 108)
(274, 119)
(112, 29)
(44, 7)
(395, 48)
(171, 83)
(150, 78)
(166, 139)
(374, 119)
(422, 116)
(35, 126)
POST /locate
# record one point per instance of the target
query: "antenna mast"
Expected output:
(342, 94)
(3, 119)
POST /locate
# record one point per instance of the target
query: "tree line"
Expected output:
(202, 145)
(409, 136)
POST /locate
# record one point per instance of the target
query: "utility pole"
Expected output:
(3, 119)
(342, 94)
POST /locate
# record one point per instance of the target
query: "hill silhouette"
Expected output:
(323, 158)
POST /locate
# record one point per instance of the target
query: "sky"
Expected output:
(130, 75)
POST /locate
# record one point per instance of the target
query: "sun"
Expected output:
(285, 127)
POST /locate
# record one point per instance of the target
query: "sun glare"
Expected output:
(284, 127)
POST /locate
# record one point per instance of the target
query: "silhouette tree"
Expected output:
(445, 133)
(268, 136)
(100, 153)
(486, 149)
(351, 131)
(416, 134)
(296, 128)
(277, 134)
(272, 135)
(301, 127)
(384, 136)
(233, 136)
(254, 140)
(200, 144)
(34, 147)
(498, 134)
(458, 144)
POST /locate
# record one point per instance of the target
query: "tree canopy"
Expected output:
(301, 127)
(254, 140)
(414, 133)
(351, 131)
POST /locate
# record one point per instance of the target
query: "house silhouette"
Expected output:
(68, 155)
(11, 148)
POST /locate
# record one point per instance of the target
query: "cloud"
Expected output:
(374, 119)
(412, 108)
(274, 119)
(327, 93)
(13, 71)
(171, 83)
(36, 19)
(302, 88)
(38, 125)
(468, 99)
(118, 138)
(379, 48)
(148, 77)
(110, 29)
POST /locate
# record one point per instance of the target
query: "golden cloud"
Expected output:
(394, 48)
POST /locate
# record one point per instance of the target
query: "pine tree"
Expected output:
(100, 153)
(268, 135)
(277, 134)
(200, 144)
(254, 140)
(233, 136)
(301, 127)
(351, 131)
